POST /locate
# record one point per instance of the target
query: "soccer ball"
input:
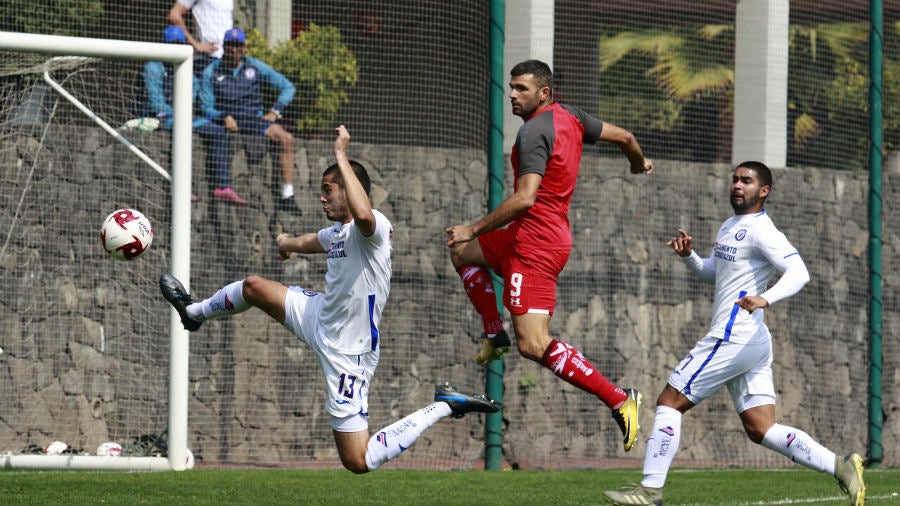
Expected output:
(109, 449)
(126, 234)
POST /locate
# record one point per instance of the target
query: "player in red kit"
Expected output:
(533, 249)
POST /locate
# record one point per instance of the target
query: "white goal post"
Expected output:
(181, 57)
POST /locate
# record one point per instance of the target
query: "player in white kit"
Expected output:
(341, 323)
(737, 351)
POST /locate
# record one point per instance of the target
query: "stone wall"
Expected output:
(624, 299)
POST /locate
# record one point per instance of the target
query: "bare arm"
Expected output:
(357, 200)
(516, 204)
(306, 243)
(176, 17)
(629, 146)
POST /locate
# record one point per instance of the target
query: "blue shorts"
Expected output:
(252, 125)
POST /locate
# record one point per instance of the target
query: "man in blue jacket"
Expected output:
(230, 95)
(158, 78)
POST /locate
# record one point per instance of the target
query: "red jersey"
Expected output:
(550, 143)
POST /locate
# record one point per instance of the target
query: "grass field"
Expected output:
(402, 487)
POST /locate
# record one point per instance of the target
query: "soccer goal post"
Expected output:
(177, 455)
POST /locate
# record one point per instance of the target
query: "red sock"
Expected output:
(480, 289)
(570, 365)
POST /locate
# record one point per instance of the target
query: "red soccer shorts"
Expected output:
(530, 272)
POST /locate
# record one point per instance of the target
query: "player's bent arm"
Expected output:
(511, 208)
(357, 200)
(176, 17)
(306, 243)
(795, 276)
(629, 146)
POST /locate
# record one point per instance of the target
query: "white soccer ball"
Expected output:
(109, 449)
(126, 234)
(56, 448)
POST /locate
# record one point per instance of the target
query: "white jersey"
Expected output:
(748, 251)
(213, 18)
(358, 281)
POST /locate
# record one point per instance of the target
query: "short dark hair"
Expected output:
(358, 170)
(762, 171)
(540, 70)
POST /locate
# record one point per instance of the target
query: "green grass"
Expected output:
(401, 487)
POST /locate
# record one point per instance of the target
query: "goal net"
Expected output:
(87, 339)
(86, 358)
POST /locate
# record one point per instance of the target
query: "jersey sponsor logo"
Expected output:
(336, 250)
(741, 234)
(725, 252)
(220, 78)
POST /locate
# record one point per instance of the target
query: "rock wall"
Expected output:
(86, 345)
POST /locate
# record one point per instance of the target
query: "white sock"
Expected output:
(800, 447)
(287, 191)
(400, 435)
(225, 302)
(661, 446)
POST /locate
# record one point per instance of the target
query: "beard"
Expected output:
(748, 202)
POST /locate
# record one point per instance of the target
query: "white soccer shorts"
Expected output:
(347, 376)
(746, 369)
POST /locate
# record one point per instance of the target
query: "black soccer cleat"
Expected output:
(461, 402)
(174, 292)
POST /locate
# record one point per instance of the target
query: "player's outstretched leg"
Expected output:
(492, 348)
(627, 417)
(634, 495)
(463, 402)
(174, 292)
(849, 473)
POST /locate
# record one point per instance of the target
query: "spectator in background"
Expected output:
(158, 79)
(230, 95)
(212, 18)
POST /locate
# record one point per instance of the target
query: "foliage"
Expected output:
(322, 68)
(828, 89)
(52, 17)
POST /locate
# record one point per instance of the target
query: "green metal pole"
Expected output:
(876, 151)
(493, 449)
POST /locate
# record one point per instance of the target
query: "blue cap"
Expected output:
(235, 35)
(173, 33)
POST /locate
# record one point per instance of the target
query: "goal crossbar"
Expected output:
(182, 58)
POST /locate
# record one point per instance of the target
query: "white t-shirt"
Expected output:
(748, 252)
(213, 18)
(358, 281)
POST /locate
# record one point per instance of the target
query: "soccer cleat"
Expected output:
(627, 417)
(288, 205)
(230, 195)
(493, 348)
(635, 495)
(849, 473)
(174, 292)
(461, 402)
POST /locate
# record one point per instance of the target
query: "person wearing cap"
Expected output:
(211, 19)
(230, 94)
(158, 78)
